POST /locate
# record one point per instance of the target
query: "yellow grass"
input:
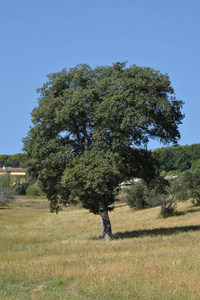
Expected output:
(49, 256)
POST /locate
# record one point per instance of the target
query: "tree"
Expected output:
(3, 160)
(91, 129)
(11, 160)
(190, 186)
(6, 191)
(14, 160)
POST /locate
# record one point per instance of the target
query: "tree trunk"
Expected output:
(105, 221)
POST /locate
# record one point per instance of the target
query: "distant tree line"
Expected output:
(13, 161)
(172, 160)
(177, 159)
(184, 160)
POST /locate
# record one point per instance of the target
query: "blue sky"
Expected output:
(41, 37)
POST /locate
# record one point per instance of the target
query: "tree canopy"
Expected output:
(91, 129)
(190, 186)
(178, 158)
(11, 160)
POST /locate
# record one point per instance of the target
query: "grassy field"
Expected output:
(49, 256)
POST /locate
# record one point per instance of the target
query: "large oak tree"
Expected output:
(91, 129)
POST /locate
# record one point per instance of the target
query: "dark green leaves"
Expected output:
(87, 127)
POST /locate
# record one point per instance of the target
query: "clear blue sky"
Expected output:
(41, 37)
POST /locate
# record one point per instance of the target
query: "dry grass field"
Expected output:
(49, 256)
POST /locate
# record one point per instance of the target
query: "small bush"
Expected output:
(136, 197)
(160, 193)
(167, 212)
(168, 207)
(22, 188)
(33, 190)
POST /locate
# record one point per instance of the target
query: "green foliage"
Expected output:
(190, 186)
(195, 164)
(3, 159)
(168, 210)
(6, 190)
(176, 159)
(168, 199)
(5, 180)
(137, 196)
(21, 188)
(91, 128)
(13, 161)
(141, 195)
(160, 193)
(33, 190)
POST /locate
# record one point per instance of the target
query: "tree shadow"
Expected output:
(163, 231)
(119, 205)
(193, 210)
(4, 207)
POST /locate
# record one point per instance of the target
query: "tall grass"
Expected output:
(49, 256)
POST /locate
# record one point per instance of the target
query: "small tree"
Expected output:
(168, 199)
(6, 191)
(166, 194)
(190, 186)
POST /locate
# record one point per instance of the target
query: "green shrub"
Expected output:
(21, 189)
(168, 206)
(6, 190)
(33, 190)
(160, 193)
(136, 197)
(190, 186)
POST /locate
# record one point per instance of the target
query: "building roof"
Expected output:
(12, 170)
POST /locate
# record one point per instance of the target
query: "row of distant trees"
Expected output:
(177, 159)
(13, 161)
(173, 160)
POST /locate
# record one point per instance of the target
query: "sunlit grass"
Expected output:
(49, 256)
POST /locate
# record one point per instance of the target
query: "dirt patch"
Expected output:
(121, 198)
